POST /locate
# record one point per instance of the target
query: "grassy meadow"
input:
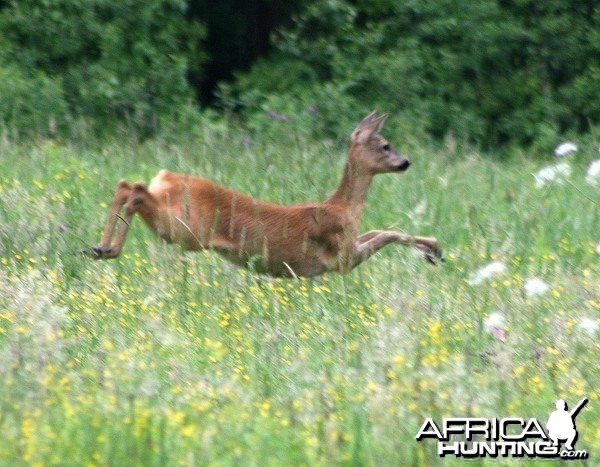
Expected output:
(163, 357)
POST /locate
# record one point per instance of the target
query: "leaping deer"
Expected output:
(298, 240)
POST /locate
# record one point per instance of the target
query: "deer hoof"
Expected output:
(434, 256)
(95, 252)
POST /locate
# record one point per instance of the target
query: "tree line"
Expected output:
(493, 71)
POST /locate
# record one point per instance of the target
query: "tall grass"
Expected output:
(163, 357)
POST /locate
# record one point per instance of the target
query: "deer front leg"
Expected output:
(135, 198)
(369, 243)
(428, 245)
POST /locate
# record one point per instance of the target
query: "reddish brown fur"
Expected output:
(297, 240)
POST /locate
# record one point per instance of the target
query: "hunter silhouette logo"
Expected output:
(509, 436)
(561, 424)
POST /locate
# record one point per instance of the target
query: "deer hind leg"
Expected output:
(136, 199)
(371, 242)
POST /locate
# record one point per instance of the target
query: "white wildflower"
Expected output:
(494, 320)
(589, 326)
(479, 276)
(556, 173)
(417, 214)
(565, 149)
(593, 174)
(535, 287)
(598, 248)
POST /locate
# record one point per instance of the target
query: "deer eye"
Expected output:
(386, 147)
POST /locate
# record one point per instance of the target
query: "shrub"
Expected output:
(30, 100)
(488, 71)
(126, 59)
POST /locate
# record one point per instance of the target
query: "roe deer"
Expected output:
(298, 240)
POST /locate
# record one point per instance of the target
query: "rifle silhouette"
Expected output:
(578, 407)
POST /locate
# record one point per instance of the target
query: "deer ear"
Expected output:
(368, 119)
(378, 122)
(368, 127)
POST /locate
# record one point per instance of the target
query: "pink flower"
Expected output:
(499, 333)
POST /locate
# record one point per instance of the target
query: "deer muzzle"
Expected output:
(403, 165)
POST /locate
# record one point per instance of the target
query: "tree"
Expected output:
(99, 58)
(493, 70)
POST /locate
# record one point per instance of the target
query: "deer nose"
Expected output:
(403, 165)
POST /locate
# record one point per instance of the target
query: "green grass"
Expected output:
(169, 358)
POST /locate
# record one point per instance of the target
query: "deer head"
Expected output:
(371, 152)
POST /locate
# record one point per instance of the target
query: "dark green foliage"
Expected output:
(237, 34)
(96, 58)
(31, 100)
(493, 71)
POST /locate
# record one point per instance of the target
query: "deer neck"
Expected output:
(352, 191)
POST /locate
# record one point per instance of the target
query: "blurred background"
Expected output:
(493, 72)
